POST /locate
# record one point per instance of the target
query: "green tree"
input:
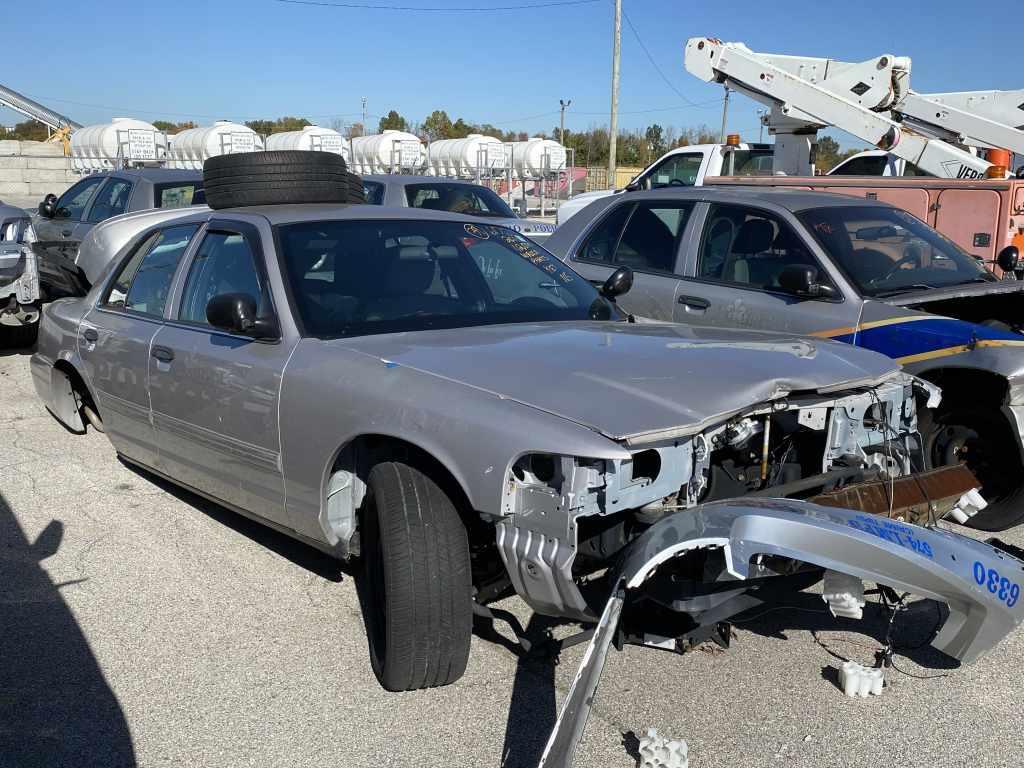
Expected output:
(655, 136)
(392, 122)
(437, 125)
(171, 128)
(282, 124)
(828, 154)
(29, 130)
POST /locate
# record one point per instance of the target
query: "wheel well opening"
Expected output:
(77, 384)
(967, 386)
(360, 455)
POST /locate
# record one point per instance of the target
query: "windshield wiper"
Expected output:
(904, 289)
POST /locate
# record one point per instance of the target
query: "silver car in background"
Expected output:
(453, 195)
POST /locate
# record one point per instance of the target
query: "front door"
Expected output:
(215, 394)
(733, 273)
(54, 233)
(644, 236)
(115, 337)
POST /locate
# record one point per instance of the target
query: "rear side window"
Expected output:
(111, 200)
(373, 191)
(223, 264)
(144, 282)
(869, 165)
(175, 195)
(644, 236)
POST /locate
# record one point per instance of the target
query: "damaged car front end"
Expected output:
(679, 583)
(567, 516)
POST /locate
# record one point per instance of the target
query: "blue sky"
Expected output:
(242, 59)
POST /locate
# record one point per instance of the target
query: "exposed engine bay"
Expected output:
(567, 517)
(996, 310)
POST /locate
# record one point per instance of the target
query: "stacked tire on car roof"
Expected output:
(279, 177)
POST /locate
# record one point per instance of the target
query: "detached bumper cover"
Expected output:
(980, 584)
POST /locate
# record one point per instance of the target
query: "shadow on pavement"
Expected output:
(914, 628)
(293, 550)
(56, 708)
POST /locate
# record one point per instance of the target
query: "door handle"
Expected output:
(91, 335)
(694, 302)
(163, 354)
(66, 232)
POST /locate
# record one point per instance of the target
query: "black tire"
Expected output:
(417, 604)
(983, 440)
(18, 336)
(274, 178)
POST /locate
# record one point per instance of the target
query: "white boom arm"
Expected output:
(807, 94)
(990, 119)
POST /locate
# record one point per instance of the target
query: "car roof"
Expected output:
(409, 178)
(794, 200)
(291, 213)
(154, 175)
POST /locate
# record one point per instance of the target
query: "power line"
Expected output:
(437, 9)
(657, 69)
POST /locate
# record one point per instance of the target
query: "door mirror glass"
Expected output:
(236, 313)
(803, 281)
(618, 283)
(48, 208)
(1009, 259)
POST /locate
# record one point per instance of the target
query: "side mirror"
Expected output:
(236, 313)
(803, 281)
(618, 283)
(1009, 259)
(48, 208)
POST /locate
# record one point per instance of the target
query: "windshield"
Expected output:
(353, 278)
(748, 162)
(886, 251)
(457, 198)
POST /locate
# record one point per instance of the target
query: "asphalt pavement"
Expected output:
(141, 625)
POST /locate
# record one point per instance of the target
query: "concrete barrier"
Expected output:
(31, 169)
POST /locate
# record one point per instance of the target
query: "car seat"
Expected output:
(754, 237)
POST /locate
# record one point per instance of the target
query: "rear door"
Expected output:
(215, 394)
(110, 200)
(115, 338)
(645, 236)
(732, 276)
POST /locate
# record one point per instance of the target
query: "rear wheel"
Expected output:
(18, 336)
(983, 441)
(417, 604)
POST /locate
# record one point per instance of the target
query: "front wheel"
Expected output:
(983, 441)
(417, 606)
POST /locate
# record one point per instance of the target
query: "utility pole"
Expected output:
(614, 128)
(725, 114)
(761, 115)
(561, 122)
(364, 114)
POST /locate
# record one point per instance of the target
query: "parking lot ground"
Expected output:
(141, 625)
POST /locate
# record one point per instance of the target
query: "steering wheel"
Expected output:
(677, 183)
(911, 258)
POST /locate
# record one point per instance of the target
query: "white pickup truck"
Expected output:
(685, 167)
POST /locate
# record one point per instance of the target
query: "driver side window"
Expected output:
(750, 248)
(675, 171)
(223, 264)
(71, 204)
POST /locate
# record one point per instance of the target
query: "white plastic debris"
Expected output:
(659, 752)
(857, 680)
(844, 595)
(970, 504)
